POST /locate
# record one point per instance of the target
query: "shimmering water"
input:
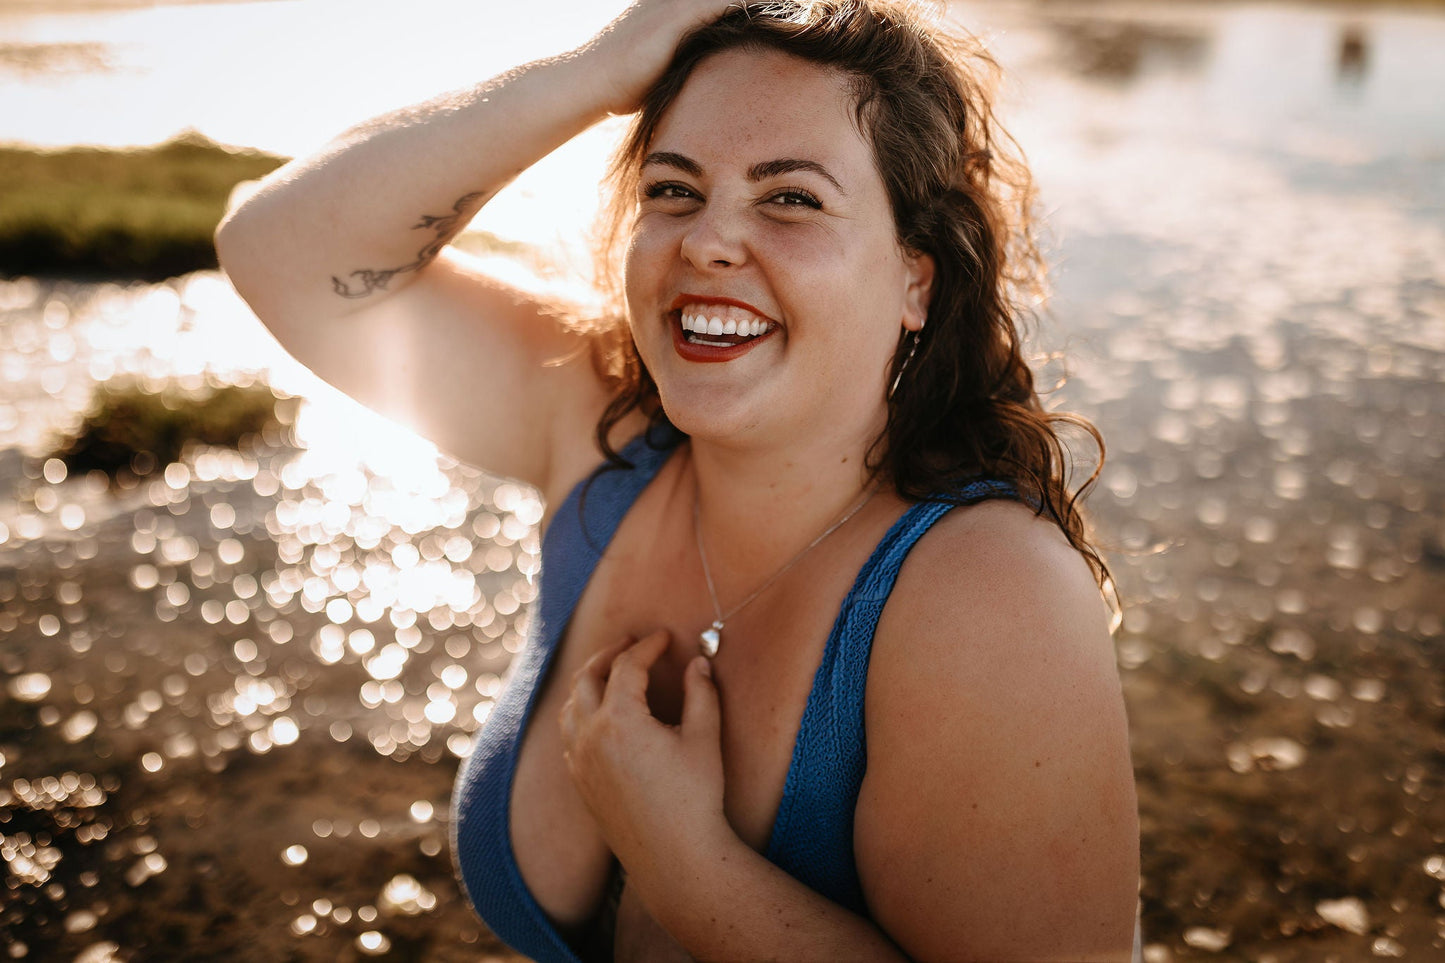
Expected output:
(1250, 251)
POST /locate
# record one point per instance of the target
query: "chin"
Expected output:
(701, 414)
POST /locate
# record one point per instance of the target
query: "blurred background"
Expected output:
(247, 630)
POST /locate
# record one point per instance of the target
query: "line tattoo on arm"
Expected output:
(366, 281)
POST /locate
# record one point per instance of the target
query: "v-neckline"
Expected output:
(648, 462)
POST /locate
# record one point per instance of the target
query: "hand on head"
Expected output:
(636, 48)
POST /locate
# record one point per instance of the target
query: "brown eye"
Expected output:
(667, 189)
(795, 198)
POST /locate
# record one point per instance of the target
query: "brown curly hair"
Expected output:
(960, 192)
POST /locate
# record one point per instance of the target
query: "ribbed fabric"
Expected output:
(481, 818)
(813, 832)
(812, 837)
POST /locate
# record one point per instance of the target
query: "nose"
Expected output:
(714, 239)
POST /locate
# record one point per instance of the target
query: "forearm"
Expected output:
(327, 232)
(727, 902)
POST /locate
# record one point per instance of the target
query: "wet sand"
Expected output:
(1290, 766)
(191, 787)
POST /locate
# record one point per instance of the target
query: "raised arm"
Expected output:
(343, 255)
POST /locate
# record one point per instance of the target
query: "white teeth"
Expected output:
(701, 324)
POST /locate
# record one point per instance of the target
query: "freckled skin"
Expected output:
(985, 657)
(724, 232)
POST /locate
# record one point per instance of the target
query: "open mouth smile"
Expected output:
(717, 331)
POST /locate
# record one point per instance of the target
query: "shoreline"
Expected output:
(146, 214)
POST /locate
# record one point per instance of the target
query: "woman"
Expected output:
(815, 371)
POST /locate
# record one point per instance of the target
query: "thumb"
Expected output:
(701, 714)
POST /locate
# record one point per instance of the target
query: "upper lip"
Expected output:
(682, 300)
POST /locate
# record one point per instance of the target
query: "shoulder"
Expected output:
(998, 810)
(992, 605)
(996, 563)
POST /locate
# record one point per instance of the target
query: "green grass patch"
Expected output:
(90, 212)
(130, 429)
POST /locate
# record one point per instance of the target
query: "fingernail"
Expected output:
(706, 667)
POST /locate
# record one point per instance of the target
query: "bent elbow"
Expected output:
(223, 239)
(247, 255)
(233, 255)
(236, 235)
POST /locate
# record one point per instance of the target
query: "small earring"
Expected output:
(912, 350)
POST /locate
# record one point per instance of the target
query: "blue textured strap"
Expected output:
(813, 833)
(481, 802)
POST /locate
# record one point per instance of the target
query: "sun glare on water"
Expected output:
(254, 639)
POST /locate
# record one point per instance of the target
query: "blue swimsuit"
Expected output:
(812, 837)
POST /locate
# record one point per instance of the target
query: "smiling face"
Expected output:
(765, 286)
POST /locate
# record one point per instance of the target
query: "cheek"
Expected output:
(650, 237)
(803, 247)
(818, 250)
(633, 259)
(842, 279)
(634, 287)
(644, 272)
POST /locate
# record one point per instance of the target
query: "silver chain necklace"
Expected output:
(711, 637)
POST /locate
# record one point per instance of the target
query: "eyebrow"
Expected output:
(758, 172)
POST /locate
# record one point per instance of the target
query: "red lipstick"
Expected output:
(685, 299)
(708, 353)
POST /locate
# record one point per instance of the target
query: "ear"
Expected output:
(917, 290)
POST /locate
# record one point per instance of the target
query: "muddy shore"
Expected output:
(1290, 777)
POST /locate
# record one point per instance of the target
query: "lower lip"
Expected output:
(706, 353)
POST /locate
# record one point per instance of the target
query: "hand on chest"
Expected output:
(779, 594)
(764, 673)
